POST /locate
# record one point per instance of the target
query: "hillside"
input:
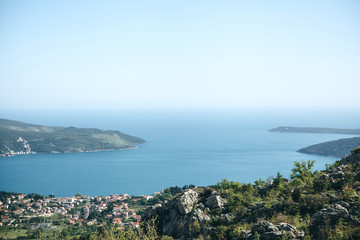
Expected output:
(24, 138)
(310, 205)
(315, 130)
(336, 148)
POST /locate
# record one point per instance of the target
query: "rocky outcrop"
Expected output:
(200, 216)
(188, 213)
(267, 231)
(181, 216)
(330, 215)
(327, 217)
(334, 176)
(214, 201)
(353, 158)
(290, 229)
(187, 201)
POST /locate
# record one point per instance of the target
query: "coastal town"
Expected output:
(51, 212)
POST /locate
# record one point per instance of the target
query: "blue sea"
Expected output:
(183, 147)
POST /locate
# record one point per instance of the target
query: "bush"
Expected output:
(311, 203)
(321, 185)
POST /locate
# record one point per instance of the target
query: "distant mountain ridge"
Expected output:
(23, 138)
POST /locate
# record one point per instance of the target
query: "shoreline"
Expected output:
(92, 151)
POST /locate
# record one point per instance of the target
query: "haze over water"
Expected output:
(183, 147)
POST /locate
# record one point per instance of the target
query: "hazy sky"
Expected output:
(179, 54)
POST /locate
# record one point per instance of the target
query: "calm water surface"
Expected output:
(182, 148)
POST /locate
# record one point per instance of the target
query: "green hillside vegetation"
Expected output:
(310, 205)
(23, 138)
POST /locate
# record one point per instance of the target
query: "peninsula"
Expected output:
(316, 130)
(335, 148)
(24, 138)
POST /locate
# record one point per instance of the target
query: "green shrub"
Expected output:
(311, 203)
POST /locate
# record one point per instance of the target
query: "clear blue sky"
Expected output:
(179, 54)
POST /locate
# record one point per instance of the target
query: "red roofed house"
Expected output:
(117, 221)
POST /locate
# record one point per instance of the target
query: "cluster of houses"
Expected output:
(19, 208)
(22, 144)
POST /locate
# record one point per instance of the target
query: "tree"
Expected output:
(278, 180)
(302, 174)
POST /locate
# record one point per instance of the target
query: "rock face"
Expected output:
(187, 214)
(200, 216)
(187, 201)
(214, 201)
(179, 214)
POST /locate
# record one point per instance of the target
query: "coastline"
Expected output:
(104, 150)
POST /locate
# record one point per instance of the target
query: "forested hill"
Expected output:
(24, 138)
(336, 148)
(316, 130)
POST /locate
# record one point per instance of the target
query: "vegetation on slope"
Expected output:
(336, 148)
(310, 205)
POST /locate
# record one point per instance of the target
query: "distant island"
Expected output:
(24, 138)
(335, 148)
(316, 130)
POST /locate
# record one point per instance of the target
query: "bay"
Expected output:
(183, 147)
